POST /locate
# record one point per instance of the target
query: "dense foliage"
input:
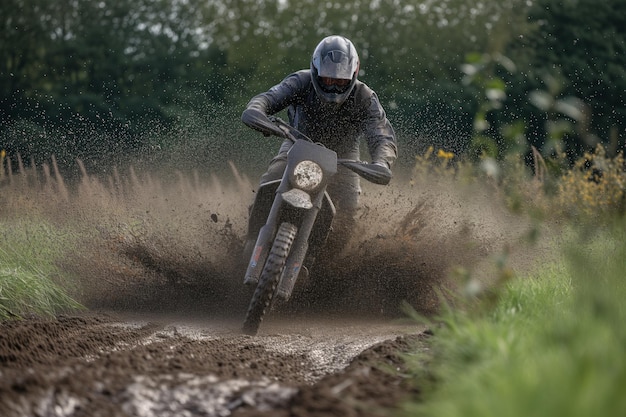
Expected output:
(551, 343)
(96, 79)
(577, 49)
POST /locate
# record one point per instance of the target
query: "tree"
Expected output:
(580, 46)
(126, 70)
(87, 79)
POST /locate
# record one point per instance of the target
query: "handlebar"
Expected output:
(290, 131)
(374, 173)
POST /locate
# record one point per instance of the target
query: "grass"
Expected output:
(553, 345)
(30, 281)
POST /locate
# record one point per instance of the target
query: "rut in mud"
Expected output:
(94, 365)
(158, 270)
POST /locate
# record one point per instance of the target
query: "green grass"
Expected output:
(554, 344)
(30, 281)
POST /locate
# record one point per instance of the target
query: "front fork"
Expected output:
(263, 244)
(298, 253)
(304, 219)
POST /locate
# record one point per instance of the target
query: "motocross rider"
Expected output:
(331, 106)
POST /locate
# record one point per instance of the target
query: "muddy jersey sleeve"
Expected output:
(268, 103)
(379, 134)
(279, 96)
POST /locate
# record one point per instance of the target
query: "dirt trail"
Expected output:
(106, 365)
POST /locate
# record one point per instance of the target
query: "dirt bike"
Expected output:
(299, 220)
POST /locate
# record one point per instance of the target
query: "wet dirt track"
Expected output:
(108, 365)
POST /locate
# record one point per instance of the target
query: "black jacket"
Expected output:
(337, 127)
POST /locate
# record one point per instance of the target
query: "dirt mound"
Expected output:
(371, 385)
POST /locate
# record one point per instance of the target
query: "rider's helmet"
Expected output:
(334, 69)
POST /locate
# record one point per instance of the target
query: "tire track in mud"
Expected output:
(118, 366)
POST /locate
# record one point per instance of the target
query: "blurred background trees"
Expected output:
(97, 79)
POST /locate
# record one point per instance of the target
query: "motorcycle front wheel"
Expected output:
(273, 269)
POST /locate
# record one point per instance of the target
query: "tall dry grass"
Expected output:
(129, 226)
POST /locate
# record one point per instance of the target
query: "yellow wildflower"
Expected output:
(444, 155)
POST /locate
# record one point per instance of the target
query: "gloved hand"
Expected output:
(258, 120)
(378, 173)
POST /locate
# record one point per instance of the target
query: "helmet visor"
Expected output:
(334, 85)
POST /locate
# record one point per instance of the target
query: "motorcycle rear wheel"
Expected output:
(264, 293)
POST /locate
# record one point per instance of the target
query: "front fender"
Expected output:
(298, 198)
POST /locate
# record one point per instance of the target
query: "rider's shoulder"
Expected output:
(362, 92)
(298, 80)
(303, 77)
(363, 88)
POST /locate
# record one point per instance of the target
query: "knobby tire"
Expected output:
(272, 271)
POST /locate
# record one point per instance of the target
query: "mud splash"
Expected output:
(151, 241)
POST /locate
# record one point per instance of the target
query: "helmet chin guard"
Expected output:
(334, 58)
